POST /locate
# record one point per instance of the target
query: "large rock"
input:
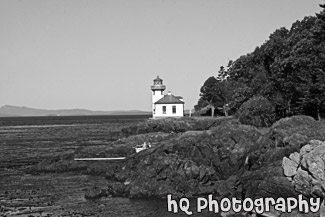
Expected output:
(302, 182)
(295, 157)
(296, 131)
(309, 178)
(289, 167)
(196, 162)
(267, 181)
(315, 166)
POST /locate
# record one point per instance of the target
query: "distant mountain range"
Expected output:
(11, 111)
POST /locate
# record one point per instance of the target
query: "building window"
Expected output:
(164, 109)
(174, 109)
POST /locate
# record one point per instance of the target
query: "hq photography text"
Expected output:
(259, 205)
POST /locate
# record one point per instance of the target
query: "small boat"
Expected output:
(142, 147)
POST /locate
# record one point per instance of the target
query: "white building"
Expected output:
(165, 105)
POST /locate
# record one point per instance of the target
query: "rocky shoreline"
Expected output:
(196, 157)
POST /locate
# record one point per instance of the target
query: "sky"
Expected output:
(104, 54)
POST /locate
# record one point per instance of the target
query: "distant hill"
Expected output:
(10, 111)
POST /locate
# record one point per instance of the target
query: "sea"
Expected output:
(26, 141)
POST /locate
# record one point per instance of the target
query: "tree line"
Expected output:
(288, 70)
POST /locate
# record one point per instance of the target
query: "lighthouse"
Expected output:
(165, 105)
(157, 91)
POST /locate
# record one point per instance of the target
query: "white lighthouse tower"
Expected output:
(157, 91)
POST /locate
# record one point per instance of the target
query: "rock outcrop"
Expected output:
(195, 162)
(296, 131)
(228, 159)
(172, 125)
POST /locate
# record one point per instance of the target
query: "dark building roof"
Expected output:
(169, 99)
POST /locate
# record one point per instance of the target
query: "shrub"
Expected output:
(257, 111)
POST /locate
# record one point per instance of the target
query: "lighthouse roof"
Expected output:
(169, 99)
(157, 79)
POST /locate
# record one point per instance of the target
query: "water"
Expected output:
(94, 119)
(25, 141)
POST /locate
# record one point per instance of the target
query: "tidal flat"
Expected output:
(26, 141)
